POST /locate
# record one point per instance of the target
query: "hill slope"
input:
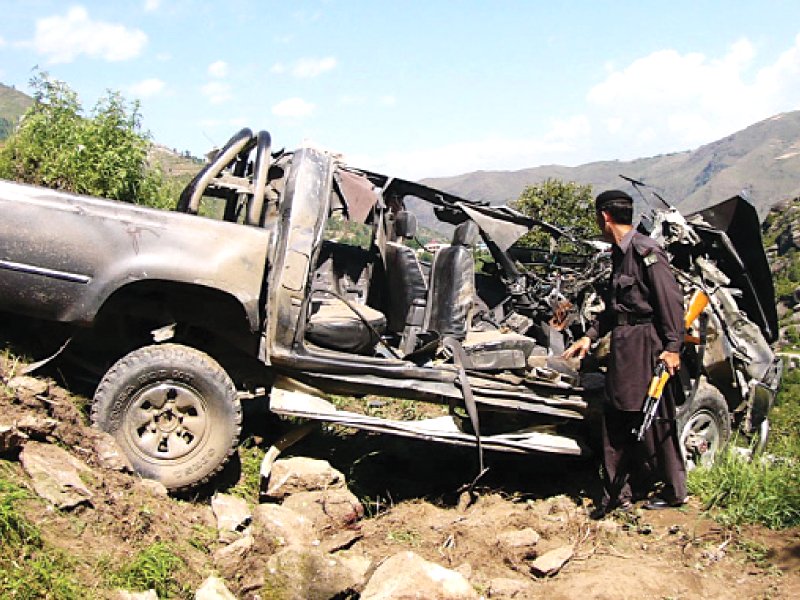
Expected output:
(763, 160)
(13, 105)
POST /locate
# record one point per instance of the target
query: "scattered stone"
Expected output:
(154, 487)
(229, 557)
(24, 384)
(551, 562)
(340, 540)
(522, 538)
(37, 427)
(109, 455)
(408, 575)
(506, 587)
(359, 564)
(329, 509)
(300, 474)
(233, 516)
(126, 595)
(284, 526)
(55, 476)
(213, 588)
(297, 573)
(11, 438)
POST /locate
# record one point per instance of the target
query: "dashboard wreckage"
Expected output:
(186, 317)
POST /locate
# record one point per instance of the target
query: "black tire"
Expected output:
(704, 426)
(173, 411)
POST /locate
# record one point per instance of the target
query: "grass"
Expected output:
(765, 491)
(406, 537)
(250, 456)
(28, 568)
(155, 567)
(741, 491)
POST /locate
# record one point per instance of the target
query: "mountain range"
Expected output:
(761, 162)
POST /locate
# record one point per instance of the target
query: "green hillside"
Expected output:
(13, 105)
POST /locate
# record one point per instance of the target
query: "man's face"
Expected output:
(600, 219)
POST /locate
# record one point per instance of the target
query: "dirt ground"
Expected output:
(413, 493)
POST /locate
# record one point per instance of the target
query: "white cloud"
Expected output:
(293, 107)
(2, 41)
(388, 100)
(151, 5)
(218, 69)
(305, 68)
(61, 39)
(668, 101)
(147, 88)
(217, 92)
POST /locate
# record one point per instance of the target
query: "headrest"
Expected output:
(405, 224)
(466, 234)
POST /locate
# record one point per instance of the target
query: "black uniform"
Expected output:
(644, 312)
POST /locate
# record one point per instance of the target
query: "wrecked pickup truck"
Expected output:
(256, 287)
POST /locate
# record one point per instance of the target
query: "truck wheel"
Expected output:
(704, 426)
(173, 411)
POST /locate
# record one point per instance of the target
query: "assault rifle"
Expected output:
(697, 304)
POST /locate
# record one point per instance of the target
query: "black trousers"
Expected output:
(632, 469)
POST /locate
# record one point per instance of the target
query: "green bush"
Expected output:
(104, 154)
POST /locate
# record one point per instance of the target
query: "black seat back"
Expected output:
(452, 285)
(406, 281)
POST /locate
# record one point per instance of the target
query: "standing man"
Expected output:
(644, 313)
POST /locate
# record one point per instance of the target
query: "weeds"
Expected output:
(742, 491)
(155, 568)
(250, 456)
(406, 537)
(28, 569)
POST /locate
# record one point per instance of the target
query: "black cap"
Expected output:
(618, 197)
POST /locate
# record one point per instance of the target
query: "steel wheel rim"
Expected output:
(700, 439)
(166, 421)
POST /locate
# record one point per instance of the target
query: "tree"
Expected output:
(567, 205)
(104, 154)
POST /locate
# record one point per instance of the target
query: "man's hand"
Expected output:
(672, 360)
(579, 347)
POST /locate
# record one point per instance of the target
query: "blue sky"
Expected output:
(424, 88)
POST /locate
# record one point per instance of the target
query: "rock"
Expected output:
(23, 384)
(359, 564)
(54, 473)
(126, 595)
(551, 562)
(154, 487)
(408, 575)
(37, 427)
(11, 438)
(229, 557)
(506, 587)
(109, 455)
(284, 526)
(522, 538)
(297, 573)
(340, 540)
(233, 516)
(329, 509)
(301, 474)
(213, 588)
